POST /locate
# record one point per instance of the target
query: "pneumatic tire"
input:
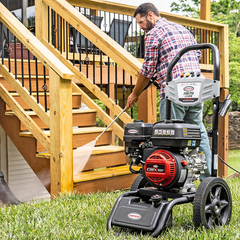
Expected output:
(212, 205)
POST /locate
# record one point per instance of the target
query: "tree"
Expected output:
(234, 70)
(227, 12)
(222, 11)
(190, 10)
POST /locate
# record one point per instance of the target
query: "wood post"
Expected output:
(223, 139)
(41, 20)
(224, 56)
(205, 9)
(61, 143)
(108, 111)
(147, 105)
(223, 122)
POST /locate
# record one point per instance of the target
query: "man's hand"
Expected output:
(132, 99)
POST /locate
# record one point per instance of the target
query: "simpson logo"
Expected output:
(132, 131)
(188, 92)
(188, 88)
(134, 216)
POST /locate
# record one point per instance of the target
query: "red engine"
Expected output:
(165, 169)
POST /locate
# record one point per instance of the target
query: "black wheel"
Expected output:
(139, 182)
(212, 205)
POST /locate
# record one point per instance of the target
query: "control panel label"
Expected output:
(188, 92)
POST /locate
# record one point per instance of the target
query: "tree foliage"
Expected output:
(234, 70)
(190, 10)
(222, 11)
(227, 12)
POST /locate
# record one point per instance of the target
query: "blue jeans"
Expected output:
(192, 115)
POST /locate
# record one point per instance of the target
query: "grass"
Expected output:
(233, 159)
(75, 216)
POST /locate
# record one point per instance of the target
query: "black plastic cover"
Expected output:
(133, 213)
(137, 131)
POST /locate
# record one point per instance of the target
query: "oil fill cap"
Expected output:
(156, 199)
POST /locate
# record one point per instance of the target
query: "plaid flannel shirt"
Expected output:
(163, 42)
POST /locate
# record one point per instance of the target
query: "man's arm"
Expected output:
(133, 97)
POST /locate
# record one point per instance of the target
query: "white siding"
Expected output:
(23, 182)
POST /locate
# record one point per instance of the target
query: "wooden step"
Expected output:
(76, 100)
(108, 179)
(102, 156)
(81, 118)
(26, 83)
(81, 136)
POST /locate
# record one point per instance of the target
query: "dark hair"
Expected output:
(145, 8)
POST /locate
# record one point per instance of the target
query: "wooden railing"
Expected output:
(60, 97)
(69, 16)
(103, 62)
(204, 31)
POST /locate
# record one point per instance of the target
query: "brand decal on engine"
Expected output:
(132, 131)
(166, 132)
(134, 216)
(155, 168)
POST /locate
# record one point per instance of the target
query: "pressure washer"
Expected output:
(168, 152)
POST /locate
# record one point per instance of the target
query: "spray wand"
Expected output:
(111, 124)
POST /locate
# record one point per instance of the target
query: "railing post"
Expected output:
(41, 20)
(205, 14)
(205, 7)
(111, 89)
(223, 122)
(147, 105)
(224, 56)
(61, 143)
(223, 139)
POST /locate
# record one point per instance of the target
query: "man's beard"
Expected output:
(149, 26)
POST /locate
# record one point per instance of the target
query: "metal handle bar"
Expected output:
(196, 47)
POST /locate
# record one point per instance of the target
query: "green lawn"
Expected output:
(234, 161)
(85, 217)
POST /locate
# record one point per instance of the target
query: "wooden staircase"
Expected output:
(106, 170)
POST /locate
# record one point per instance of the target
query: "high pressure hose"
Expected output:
(228, 165)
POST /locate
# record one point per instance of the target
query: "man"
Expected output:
(163, 41)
